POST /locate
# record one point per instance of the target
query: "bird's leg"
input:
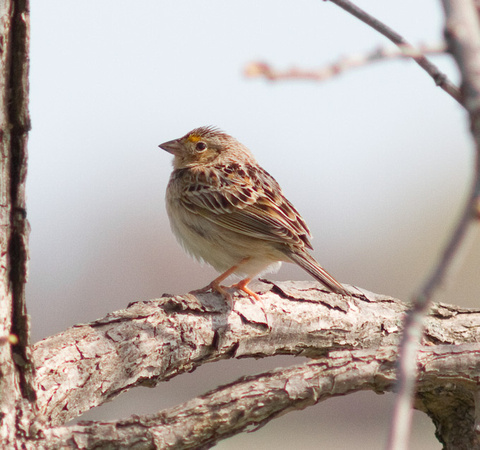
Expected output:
(215, 286)
(242, 285)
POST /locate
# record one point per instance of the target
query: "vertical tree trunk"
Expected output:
(15, 391)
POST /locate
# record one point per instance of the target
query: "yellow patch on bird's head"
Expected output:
(193, 138)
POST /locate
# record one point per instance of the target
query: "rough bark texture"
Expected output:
(15, 391)
(252, 401)
(353, 337)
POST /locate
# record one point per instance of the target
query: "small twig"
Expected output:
(463, 32)
(439, 77)
(257, 69)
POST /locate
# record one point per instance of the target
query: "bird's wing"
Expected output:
(247, 200)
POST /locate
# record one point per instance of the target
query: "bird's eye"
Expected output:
(201, 146)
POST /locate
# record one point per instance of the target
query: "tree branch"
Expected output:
(156, 340)
(439, 77)
(463, 34)
(261, 69)
(405, 50)
(251, 402)
(16, 393)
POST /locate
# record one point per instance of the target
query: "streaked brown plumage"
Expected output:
(229, 212)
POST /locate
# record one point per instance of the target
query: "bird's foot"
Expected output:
(242, 285)
(215, 288)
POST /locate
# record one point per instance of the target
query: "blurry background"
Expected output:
(377, 160)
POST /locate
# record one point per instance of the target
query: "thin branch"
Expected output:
(465, 45)
(251, 402)
(439, 77)
(261, 69)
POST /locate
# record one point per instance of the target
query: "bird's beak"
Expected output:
(172, 147)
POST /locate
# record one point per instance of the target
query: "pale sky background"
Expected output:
(377, 160)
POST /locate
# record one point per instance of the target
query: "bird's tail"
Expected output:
(308, 263)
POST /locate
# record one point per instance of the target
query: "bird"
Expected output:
(227, 211)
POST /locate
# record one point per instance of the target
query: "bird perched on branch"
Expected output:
(228, 211)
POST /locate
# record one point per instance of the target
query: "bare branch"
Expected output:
(439, 77)
(463, 34)
(251, 402)
(154, 341)
(261, 69)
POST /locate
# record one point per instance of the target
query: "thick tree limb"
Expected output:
(448, 377)
(156, 340)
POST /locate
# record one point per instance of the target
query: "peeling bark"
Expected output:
(353, 338)
(448, 377)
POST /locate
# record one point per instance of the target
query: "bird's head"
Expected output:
(204, 146)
